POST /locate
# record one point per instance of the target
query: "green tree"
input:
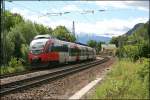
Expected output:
(92, 43)
(61, 32)
(17, 39)
(7, 48)
(42, 29)
(115, 40)
(22, 33)
(24, 52)
(98, 46)
(27, 30)
(11, 20)
(71, 37)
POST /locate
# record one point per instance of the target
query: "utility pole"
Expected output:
(73, 30)
(3, 35)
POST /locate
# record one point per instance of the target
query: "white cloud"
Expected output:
(116, 4)
(23, 12)
(142, 8)
(140, 5)
(66, 8)
(108, 28)
(71, 8)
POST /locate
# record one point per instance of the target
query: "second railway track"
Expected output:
(26, 83)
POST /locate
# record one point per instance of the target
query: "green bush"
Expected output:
(24, 52)
(129, 51)
(14, 65)
(134, 52)
(127, 80)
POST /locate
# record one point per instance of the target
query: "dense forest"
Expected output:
(19, 32)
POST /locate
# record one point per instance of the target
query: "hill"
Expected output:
(84, 37)
(137, 26)
(135, 35)
(135, 45)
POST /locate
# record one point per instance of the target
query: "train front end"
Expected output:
(36, 54)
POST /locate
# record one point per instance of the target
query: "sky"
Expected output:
(115, 19)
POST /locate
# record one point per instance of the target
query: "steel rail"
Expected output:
(26, 83)
(2, 76)
(15, 74)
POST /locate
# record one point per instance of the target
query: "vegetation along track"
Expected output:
(26, 83)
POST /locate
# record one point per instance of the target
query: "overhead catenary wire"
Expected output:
(86, 11)
(83, 12)
(38, 13)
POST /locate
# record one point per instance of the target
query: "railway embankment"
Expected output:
(127, 80)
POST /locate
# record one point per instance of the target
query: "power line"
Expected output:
(82, 12)
(60, 13)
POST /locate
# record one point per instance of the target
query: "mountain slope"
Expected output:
(85, 37)
(139, 33)
(137, 26)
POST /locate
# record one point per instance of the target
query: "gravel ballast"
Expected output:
(64, 87)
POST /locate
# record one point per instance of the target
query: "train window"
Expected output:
(79, 52)
(72, 51)
(83, 52)
(64, 48)
(59, 48)
(37, 46)
(54, 48)
(75, 51)
(37, 51)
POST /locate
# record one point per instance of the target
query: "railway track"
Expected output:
(17, 73)
(29, 71)
(33, 81)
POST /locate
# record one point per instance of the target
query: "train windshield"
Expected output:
(37, 46)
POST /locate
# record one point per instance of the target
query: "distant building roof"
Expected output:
(109, 46)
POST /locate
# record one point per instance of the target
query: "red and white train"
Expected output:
(45, 49)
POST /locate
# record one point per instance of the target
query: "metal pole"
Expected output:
(3, 35)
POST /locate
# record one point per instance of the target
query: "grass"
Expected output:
(13, 66)
(126, 80)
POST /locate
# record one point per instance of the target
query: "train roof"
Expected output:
(46, 36)
(81, 43)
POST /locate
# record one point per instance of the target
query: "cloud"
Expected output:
(143, 9)
(65, 8)
(140, 5)
(116, 4)
(32, 16)
(23, 12)
(113, 27)
(108, 28)
(71, 8)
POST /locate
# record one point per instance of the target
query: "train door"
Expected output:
(66, 54)
(63, 54)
